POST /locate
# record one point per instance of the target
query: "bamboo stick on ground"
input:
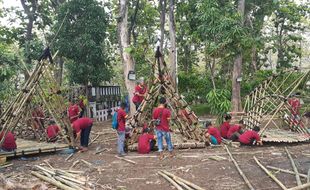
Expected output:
(270, 174)
(69, 156)
(52, 181)
(286, 171)
(127, 160)
(300, 187)
(246, 180)
(170, 180)
(70, 184)
(294, 167)
(196, 187)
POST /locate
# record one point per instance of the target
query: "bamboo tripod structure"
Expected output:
(41, 84)
(270, 101)
(184, 118)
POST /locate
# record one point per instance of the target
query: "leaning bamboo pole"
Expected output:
(294, 167)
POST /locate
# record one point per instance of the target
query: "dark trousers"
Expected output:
(137, 105)
(82, 113)
(152, 144)
(234, 136)
(85, 136)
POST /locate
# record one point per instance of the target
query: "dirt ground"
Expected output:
(193, 165)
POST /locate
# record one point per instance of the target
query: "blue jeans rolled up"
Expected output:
(163, 134)
(120, 142)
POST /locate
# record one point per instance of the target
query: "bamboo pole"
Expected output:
(51, 181)
(176, 178)
(170, 180)
(294, 167)
(286, 171)
(270, 174)
(127, 160)
(300, 187)
(246, 180)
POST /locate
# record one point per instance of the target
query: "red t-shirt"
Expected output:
(224, 129)
(81, 123)
(246, 137)
(52, 131)
(9, 141)
(295, 105)
(81, 104)
(73, 111)
(164, 123)
(121, 120)
(141, 90)
(216, 133)
(144, 143)
(232, 130)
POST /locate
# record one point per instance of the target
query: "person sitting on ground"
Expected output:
(161, 117)
(73, 112)
(121, 129)
(212, 134)
(140, 92)
(9, 143)
(251, 137)
(81, 129)
(146, 142)
(235, 131)
(225, 126)
(52, 132)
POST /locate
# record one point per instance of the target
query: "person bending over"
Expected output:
(225, 126)
(235, 131)
(251, 137)
(82, 127)
(212, 134)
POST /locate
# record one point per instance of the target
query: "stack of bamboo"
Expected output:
(63, 179)
(42, 84)
(183, 117)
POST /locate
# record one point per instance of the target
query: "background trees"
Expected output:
(217, 41)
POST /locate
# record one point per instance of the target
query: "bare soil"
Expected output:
(190, 164)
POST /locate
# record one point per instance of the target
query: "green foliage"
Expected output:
(219, 101)
(201, 109)
(82, 39)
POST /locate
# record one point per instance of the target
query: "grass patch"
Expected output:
(201, 109)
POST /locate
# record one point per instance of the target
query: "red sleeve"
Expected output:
(137, 89)
(150, 136)
(168, 113)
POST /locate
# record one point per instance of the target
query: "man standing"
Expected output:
(73, 112)
(121, 129)
(82, 127)
(140, 91)
(161, 117)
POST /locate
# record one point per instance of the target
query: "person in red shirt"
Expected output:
(251, 137)
(121, 129)
(9, 143)
(295, 106)
(73, 112)
(82, 127)
(235, 131)
(38, 117)
(225, 126)
(52, 132)
(140, 91)
(146, 142)
(161, 118)
(212, 134)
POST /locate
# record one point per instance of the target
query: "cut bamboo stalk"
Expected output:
(70, 156)
(294, 167)
(269, 174)
(127, 160)
(246, 180)
(286, 171)
(52, 181)
(300, 187)
(196, 187)
(170, 180)
(70, 184)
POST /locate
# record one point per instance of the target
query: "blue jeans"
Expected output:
(160, 134)
(85, 136)
(120, 142)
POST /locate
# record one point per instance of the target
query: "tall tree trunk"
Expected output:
(254, 59)
(30, 12)
(173, 52)
(162, 5)
(123, 40)
(236, 97)
(59, 70)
